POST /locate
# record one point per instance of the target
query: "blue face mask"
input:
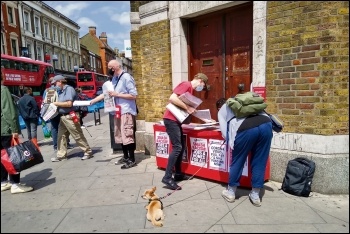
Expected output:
(199, 88)
(58, 88)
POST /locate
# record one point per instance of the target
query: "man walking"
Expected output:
(69, 121)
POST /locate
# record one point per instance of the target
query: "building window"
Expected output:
(26, 20)
(63, 62)
(39, 53)
(54, 33)
(36, 24)
(14, 47)
(46, 30)
(68, 39)
(61, 36)
(10, 15)
(3, 44)
(69, 63)
(73, 42)
(29, 46)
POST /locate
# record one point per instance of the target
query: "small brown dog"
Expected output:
(154, 208)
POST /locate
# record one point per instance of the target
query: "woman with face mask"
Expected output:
(174, 130)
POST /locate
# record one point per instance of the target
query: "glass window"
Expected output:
(10, 15)
(3, 44)
(61, 36)
(54, 32)
(14, 47)
(46, 30)
(36, 25)
(87, 87)
(85, 77)
(63, 62)
(26, 20)
(68, 39)
(39, 53)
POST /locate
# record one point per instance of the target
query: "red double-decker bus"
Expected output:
(90, 82)
(21, 71)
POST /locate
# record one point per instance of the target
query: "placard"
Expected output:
(162, 144)
(199, 152)
(217, 155)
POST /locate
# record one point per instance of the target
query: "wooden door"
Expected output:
(220, 46)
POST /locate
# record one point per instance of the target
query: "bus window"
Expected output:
(5, 63)
(84, 77)
(87, 87)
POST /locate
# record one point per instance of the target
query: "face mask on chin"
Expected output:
(111, 72)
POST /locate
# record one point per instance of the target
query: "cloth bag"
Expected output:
(20, 156)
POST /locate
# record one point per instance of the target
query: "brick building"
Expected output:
(295, 53)
(98, 46)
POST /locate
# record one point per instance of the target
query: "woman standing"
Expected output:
(9, 129)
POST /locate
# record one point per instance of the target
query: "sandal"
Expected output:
(128, 165)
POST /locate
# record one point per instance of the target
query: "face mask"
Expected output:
(58, 88)
(111, 72)
(199, 88)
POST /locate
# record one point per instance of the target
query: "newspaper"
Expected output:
(178, 112)
(203, 115)
(190, 100)
(81, 103)
(109, 104)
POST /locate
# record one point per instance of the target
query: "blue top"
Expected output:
(68, 94)
(126, 85)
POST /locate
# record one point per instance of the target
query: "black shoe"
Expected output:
(121, 161)
(181, 177)
(128, 164)
(171, 184)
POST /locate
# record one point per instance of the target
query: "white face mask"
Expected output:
(199, 88)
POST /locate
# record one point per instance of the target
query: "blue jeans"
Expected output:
(54, 130)
(31, 125)
(257, 141)
(175, 133)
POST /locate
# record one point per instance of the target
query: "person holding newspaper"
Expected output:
(174, 130)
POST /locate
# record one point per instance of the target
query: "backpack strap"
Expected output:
(227, 133)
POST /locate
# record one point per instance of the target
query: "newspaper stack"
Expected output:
(50, 112)
(179, 113)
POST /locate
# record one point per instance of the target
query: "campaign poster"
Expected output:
(245, 167)
(199, 152)
(217, 155)
(185, 154)
(162, 144)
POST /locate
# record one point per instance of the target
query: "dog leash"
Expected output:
(168, 194)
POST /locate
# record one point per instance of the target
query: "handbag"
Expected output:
(20, 156)
(277, 123)
(46, 130)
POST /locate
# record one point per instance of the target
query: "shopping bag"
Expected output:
(46, 130)
(20, 156)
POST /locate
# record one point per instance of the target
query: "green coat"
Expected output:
(9, 114)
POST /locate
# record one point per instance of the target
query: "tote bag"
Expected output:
(20, 156)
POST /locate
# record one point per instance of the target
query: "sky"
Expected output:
(112, 17)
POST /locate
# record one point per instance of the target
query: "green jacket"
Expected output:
(9, 114)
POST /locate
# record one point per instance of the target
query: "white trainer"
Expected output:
(228, 195)
(254, 199)
(19, 188)
(5, 186)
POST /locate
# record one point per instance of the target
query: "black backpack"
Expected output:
(298, 178)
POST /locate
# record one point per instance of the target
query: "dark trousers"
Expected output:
(54, 130)
(32, 126)
(175, 133)
(6, 143)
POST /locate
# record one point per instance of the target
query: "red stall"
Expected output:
(205, 155)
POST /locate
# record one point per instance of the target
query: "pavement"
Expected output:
(96, 195)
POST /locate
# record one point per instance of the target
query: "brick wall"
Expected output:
(151, 55)
(307, 68)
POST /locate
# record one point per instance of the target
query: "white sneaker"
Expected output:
(254, 199)
(228, 195)
(5, 186)
(87, 156)
(19, 188)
